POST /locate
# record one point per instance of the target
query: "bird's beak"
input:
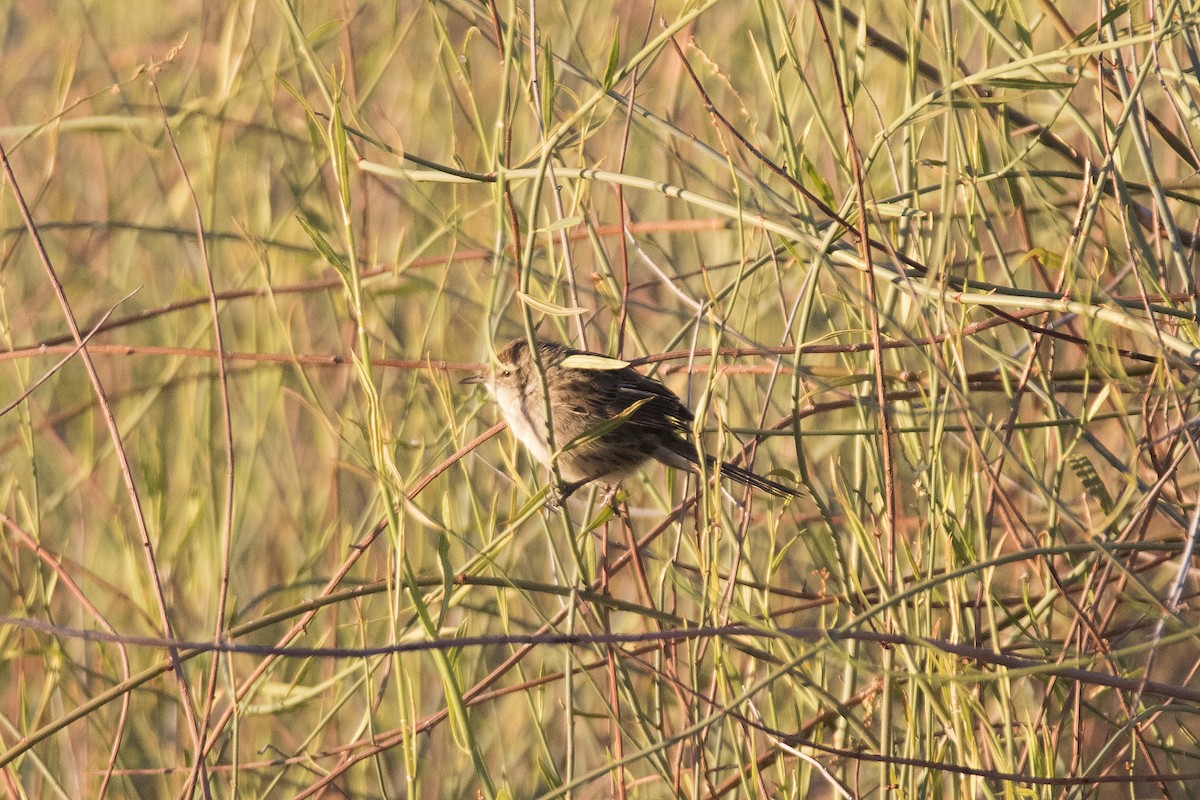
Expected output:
(473, 379)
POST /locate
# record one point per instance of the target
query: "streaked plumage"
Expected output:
(583, 400)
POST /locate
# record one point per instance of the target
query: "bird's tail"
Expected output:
(681, 454)
(748, 478)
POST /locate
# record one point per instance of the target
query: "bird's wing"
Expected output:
(660, 407)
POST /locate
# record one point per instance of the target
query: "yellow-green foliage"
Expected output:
(988, 399)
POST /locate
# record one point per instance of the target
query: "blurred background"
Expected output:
(934, 262)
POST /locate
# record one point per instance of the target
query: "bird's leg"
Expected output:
(560, 493)
(610, 497)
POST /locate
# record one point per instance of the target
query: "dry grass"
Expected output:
(940, 269)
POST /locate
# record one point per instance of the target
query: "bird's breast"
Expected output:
(529, 429)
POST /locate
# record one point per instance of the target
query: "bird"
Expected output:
(609, 419)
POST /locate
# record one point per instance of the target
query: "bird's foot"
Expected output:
(610, 496)
(559, 494)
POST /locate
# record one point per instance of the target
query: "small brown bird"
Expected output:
(608, 419)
